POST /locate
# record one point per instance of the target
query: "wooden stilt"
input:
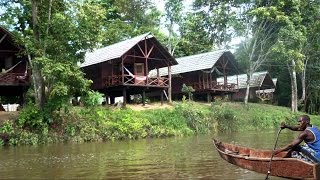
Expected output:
(124, 94)
(208, 97)
(107, 98)
(112, 99)
(161, 96)
(143, 97)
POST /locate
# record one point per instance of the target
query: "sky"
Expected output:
(160, 3)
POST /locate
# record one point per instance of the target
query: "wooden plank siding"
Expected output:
(122, 69)
(201, 72)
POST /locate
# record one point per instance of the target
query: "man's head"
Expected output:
(304, 121)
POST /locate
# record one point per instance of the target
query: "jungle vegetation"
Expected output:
(279, 36)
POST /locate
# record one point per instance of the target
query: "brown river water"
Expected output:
(192, 157)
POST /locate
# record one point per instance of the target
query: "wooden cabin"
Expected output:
(201, 72)
(14, 73)
(267, 94)
(260, 81)
(122, 69)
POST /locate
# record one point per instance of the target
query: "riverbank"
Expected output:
(104, 123)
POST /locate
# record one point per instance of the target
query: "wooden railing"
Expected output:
(214, 86)
(136, 80)
(14, 78)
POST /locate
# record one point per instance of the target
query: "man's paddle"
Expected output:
(275, 145)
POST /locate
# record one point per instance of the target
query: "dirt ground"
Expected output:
(8, 116)
(139, 107)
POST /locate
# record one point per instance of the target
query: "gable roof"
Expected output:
(7, 39)
(256, 81)
(193, 63)
(275, 80)
(119, 49)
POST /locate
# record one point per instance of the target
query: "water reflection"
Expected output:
(169, 158)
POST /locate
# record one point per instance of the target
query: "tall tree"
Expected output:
(56, 34)
(310, 20)
(219, 17)
(194, 38)
(129, 18)
(289, 35)
(173, 13)
(290, 42)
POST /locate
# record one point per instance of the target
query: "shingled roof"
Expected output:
(117, 50)
(193, 63)
(7, 41)
(256, 81)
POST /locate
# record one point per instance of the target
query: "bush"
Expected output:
(225, 117)
(31, 118)
(92, 99)
(99, 123)
(198, 118)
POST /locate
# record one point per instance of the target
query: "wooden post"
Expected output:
(122, 71)
(203, 83)
(170, 88)
(124, 94)
(208, 97)
(107, 98)
(161, 97)
(158, 73)
(112, 99)
(143, 97)
(211, 86)
(21, 99)
(199, 80)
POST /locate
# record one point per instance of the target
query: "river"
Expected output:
(192, 157)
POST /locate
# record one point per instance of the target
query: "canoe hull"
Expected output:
(258, 161)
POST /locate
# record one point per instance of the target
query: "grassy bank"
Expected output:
(79, 124)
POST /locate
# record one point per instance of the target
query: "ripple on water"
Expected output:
(169, 158)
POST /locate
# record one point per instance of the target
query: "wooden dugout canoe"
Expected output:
(258, 160)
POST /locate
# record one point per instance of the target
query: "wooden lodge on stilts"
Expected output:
(14, 73)
(201, 71)
(261, 86)
(122, 69)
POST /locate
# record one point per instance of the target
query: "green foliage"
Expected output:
(56, 36)
(92, 98)
(7, 133)
(166, 122)
(7, 128)
(198, 118)
(193, 31)
(224, 116)
(26, 138)
(187, 90)
(31, 117)
(107, 123)
(125, 19)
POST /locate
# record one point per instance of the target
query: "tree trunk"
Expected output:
(36, 73)
(303, 82)
(294, 89)
(169, 37)
(246, 98)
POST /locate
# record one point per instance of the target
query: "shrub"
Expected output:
(92, 99)
(225, 117)
(30, 117)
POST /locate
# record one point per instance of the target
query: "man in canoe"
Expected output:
(310, 135)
